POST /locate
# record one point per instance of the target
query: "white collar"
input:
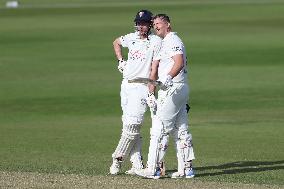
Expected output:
(169, 35)
(138, 37)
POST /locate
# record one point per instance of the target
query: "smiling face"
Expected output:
(161, 27)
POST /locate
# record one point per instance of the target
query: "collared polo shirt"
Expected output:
(140, 54)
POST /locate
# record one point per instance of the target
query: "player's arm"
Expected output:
(151, 99)
(155, 64)
(117, 46)
(117, 49)
(153, 75)
(178, 65)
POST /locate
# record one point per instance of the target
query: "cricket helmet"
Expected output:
(143, 16)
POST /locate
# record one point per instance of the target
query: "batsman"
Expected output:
(170, 116)
(142, 48)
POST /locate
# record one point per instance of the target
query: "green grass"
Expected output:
(59, 87)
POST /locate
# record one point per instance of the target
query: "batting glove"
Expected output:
(152, 102)
(167, 83)
(121, 65)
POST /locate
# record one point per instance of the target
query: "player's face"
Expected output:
(161, 27)
(143, 27)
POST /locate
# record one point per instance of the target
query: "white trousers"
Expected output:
(171, 106)
(133, 104)
(171, 118)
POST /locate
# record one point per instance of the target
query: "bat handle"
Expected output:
(153, 113)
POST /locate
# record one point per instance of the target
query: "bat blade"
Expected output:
(145, 81)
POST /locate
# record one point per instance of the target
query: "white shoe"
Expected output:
(135, 167)
(131, 171)
(147, 174)
(115, 167)
(188, 173)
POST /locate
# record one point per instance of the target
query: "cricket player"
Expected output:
(171, 116)
(142, 48)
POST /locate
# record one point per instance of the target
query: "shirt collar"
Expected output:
(169, 35)
(138, 37)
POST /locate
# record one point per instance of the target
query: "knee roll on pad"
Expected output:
(181, 134)
(163, 143)
(185, 139)
(131, 131)
(133, 120)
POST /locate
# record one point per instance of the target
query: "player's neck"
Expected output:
(143, 36)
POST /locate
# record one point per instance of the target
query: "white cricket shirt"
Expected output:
(171, 45)
(140, 54)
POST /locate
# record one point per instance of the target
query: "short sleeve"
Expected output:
(176, 48)
(124, 40)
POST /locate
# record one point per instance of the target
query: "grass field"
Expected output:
(59, 91)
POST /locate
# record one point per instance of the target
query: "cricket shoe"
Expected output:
(115, 167)
(188, 173)
(132, 171)
(148, 174)
(135, 167)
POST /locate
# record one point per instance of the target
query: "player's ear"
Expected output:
(169, 26)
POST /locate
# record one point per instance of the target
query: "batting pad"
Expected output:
(128, 138)
(135, 154)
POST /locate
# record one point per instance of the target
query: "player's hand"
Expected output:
(152, 102)
(121, 65)
(167, 83)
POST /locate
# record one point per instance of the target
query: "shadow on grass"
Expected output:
(240, 167)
